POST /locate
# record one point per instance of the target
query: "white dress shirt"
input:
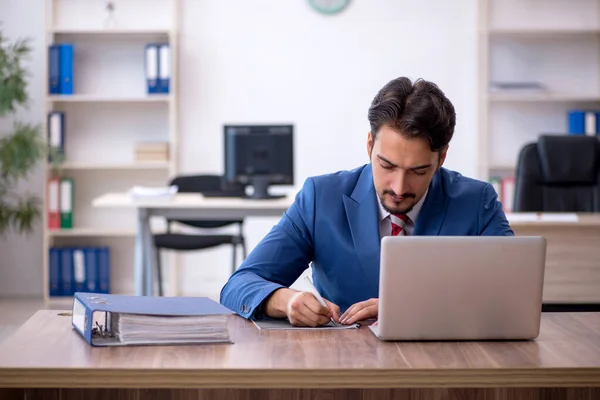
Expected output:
(385, 224)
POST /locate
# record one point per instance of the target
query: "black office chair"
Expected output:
(212, 185)
(559, 174)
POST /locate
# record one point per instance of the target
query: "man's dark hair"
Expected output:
(414, 110)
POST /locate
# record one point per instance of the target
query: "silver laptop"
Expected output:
(460, 287)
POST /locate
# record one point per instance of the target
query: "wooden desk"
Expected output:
(47, 359)
(572, 260)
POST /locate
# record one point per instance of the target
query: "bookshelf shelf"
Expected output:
(88, 98)
(91, 232)
(102, 125)
(110, 32)
(542, 32)
(542, 97)
(115, 167)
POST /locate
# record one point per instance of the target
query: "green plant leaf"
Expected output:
(19, 213)
(20, 152)
(26, 214)
(13, 77)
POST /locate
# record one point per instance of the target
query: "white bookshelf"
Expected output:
(109, 112)
(555, 43)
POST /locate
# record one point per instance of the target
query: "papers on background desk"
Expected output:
(284, 324)
(160, 192)
(542, 217)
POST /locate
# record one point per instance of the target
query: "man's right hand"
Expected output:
(301, 308)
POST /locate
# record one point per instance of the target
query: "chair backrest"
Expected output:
(213, 184)
(559, 174)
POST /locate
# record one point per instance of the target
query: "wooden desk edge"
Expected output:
(297, 378)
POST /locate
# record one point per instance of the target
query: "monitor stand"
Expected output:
(261, 188)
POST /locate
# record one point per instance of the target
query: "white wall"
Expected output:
(273, 61)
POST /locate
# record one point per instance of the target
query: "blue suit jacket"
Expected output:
(334, 223)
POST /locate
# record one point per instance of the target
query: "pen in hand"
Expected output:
(316, 293)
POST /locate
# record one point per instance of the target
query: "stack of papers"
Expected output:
(521, 87)
(136, 329)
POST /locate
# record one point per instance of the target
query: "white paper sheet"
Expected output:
(284, 324)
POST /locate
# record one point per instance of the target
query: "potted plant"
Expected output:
(22, 147)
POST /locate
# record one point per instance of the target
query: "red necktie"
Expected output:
(398, 222)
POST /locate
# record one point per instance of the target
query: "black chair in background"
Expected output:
(559, 174)
(211, 185)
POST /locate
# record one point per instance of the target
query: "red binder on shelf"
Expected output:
(53, 193)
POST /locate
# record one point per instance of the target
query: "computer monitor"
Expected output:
(260, 156)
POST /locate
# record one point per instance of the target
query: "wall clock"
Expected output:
(328, 7)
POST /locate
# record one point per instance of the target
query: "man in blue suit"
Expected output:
(337, 220)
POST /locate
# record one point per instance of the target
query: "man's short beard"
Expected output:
(391, 211)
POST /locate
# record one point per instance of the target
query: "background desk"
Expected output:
(46, 359)
(572, 277)
(182, 206)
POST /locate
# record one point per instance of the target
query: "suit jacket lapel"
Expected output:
(361, 212)
(429, 222)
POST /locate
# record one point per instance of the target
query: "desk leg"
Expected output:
(138, 278)
(148, 255)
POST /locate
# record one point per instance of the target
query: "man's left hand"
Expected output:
(361, 311)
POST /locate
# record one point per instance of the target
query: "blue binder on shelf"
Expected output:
(164, 67)
(66, 68)
(92, 283)
(67, 271)
(79, 271)
(583, 122)
(54, 274)
(60, 69)
(121, 320)
(151, 63)
(53, 69)
(103, 269)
